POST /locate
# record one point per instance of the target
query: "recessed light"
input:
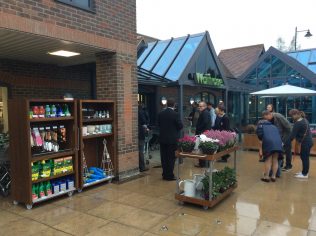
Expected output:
(63, 53)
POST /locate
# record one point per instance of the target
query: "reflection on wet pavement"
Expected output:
(146, 206)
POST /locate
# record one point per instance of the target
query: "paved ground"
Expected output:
(146, 206)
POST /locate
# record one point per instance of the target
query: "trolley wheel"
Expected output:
(181, 203)
(205, 207)
(70, 193)
(79, 190)
(29, 206)
(15, 202)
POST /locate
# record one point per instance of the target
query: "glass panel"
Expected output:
(183, 57)
(154, 55)
(168, 56)
(278, 82)
(303, 57)
(292, 54)
(306, 83)
(313, 57)
(145, 53)
(291, 72)
(263, 83)
(278, 67)
(312, 68)
(295, 81)
(264, 69)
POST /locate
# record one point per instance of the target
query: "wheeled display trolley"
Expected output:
(211, 159)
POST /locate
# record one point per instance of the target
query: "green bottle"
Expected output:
(66, 110)
(47, 111)
(48, 188)
(41, 190)
(34, 192)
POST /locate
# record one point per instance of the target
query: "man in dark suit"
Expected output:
(142, 128)
(170, 125)
(204, 123)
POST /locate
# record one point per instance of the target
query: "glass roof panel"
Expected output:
(312, 68)
(303, 57)
(293, 54)
(278, 67)
(168, 56)
(184, 57)
(313, 57)
(145, 53)
(155, 54)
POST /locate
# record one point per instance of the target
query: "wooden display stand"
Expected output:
(250, 142)
(91, 146)
(21, 156)
(210, 158)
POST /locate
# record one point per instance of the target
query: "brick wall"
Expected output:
(112, 19)
(116, 79)
(45, 81)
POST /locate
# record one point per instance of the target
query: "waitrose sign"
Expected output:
(207, 79)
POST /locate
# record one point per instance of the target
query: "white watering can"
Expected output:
(189, 187)
(197, 178)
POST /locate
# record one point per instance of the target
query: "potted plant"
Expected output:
(187, 143)
(208, 145)
(226, 139)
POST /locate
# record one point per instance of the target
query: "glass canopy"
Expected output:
(167, 59)
(306, 57)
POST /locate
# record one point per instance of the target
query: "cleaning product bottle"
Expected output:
(47, 111)
(53, 111)
(41, 190)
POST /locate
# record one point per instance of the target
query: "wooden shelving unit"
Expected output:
(21, 155)
(92, 145)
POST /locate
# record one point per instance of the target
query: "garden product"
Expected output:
(34, 192)
(95, 170)
(55, 186)
(187, 143)
(35, 112)
(70, 183)
(41, 190)
(59, 111)
(35, 171)
(66, 110)
(48, 188)
(45, 169)
(63, 185)
(58, 166)
(68, 167)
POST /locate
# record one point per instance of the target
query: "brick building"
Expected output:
(103, 32)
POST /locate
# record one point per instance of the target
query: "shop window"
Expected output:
(206, 97)
(82, 4)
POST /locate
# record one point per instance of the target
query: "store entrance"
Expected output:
(149, 102)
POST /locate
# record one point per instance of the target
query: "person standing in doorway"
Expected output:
(204, 123)
(284, 128)
(194, 116)
(223, 124)
(302, 133)
(211, 110)
(170, 126)
(142, 129)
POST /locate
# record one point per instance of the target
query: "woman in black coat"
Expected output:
(271, 141)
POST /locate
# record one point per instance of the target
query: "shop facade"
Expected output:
(185, 69)
(103, 37)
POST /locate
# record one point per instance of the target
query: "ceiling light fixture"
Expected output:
(63, 53)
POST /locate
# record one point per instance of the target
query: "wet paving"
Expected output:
(146, 206)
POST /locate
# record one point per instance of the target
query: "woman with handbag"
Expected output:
(301, 132)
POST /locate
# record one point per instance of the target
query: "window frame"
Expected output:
(91, 9)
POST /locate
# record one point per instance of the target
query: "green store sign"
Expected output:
(207, 79)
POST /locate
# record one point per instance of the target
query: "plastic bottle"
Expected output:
(41, 190)
(47, 111)
(34, 192)
(48, 189)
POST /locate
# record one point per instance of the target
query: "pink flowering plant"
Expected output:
(226, 139)
(187, 143)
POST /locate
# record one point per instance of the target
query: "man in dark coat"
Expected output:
(170, 125)
(204, 123)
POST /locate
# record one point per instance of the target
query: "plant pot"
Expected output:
(208, 151)
(187, 148)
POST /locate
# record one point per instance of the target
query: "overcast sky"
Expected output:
(231, 23)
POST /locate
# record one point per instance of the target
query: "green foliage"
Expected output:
(222, 180)
(208, 147)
